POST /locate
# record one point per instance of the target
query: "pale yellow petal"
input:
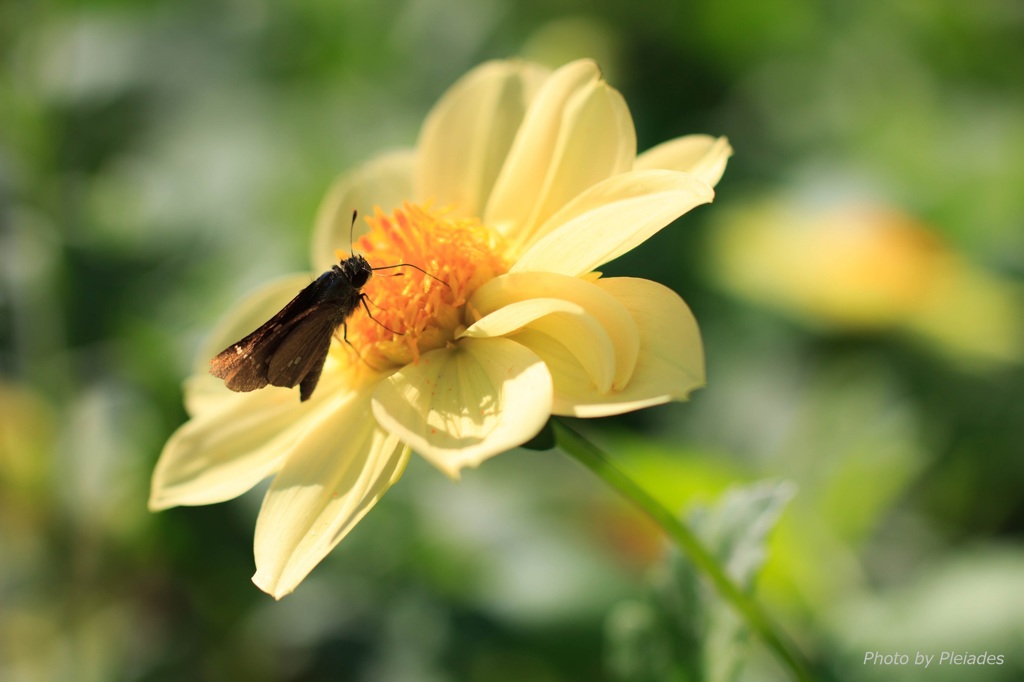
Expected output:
(577, 132)
(511, 317)
(701, 155)
(563, 320)
(609, 313)
(458, 406)
(467, 135)
(670, 365)
(233, 441)
(203, 394)
(612, 218)
(334, 474)
(386, 181)
(225, 452)
(570, 381)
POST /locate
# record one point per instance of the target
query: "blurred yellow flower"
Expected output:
(864, 266)
(522, 183)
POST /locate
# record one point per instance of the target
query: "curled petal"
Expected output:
(468, 133)
(612, 218)
(386, 182)
(701, 155)
(577, 132)
(570, 381)
(333, 475)
(458, 406)
(562, 320)
(598, 304)
(670, 365)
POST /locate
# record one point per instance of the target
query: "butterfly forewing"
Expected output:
(304, 349)
(243, 365)
(244, 375)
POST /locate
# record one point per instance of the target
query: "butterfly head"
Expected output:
(356, 270)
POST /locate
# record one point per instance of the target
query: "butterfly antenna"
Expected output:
(414, 267)
(388, 267)
(351, 227)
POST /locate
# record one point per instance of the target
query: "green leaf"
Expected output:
(685, 631)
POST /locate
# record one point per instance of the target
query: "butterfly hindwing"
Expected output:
(304, 349)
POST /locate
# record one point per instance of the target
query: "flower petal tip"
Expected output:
(453, 473)
(270, 587)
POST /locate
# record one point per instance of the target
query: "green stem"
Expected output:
(594, 459)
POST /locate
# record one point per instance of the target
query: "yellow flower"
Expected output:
(865, 267)
(853, 266)
(523, 182)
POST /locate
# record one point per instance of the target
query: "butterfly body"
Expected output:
(290, 348)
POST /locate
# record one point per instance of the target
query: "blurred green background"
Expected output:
(858, 283)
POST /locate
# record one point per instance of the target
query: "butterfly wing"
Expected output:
(309, 382)
(300, 356)
(243, 365)
(244, 372)
(290, 348)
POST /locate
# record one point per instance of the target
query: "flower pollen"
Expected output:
(415, 312)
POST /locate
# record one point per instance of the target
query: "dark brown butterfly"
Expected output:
(290, 348)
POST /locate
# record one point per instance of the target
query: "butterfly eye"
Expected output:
(359, 278)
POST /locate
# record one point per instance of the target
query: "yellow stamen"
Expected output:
(422, 313)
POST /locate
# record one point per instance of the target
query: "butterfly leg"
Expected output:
(344, 337)
(362, 299)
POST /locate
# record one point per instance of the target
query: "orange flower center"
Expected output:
(415, 311)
